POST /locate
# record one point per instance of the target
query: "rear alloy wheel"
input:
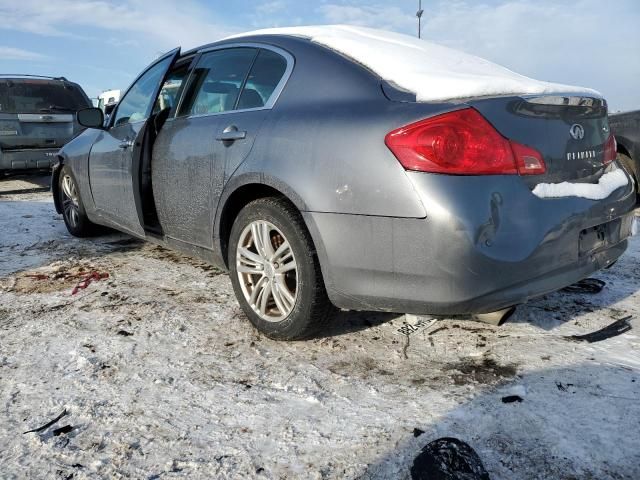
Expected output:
(267, 271)
(275, 272)
(73, 211)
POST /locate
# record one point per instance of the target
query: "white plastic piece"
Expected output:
(431, 71)
(607, 184)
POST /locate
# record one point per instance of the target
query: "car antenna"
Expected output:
(419, 15)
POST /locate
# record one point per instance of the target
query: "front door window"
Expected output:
(136, 104)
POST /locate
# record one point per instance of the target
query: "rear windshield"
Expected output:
(36, 96)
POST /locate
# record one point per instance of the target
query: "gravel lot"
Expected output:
(161, 375)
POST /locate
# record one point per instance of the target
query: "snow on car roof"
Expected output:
(431, 71)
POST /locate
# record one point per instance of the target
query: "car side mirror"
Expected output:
(90, 118)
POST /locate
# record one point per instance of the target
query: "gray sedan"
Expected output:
(320, 180)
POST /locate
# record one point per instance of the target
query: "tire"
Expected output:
(283, 273)
(73, 212)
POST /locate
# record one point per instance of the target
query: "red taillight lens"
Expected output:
(461, 143)
(610, 149)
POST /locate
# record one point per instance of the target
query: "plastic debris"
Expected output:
(512, 399)
(588, 285)
(563, 387)
(448, 459)
(59, 431)
(616, 328)
(47, 425)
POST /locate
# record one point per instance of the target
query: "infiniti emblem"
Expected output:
(576, 131)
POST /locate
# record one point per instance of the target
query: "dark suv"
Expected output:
(37, 117)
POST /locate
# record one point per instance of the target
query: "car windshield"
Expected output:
(37, 96)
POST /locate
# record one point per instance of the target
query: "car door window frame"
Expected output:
(269, 104)
(114, 114)
(190, 62)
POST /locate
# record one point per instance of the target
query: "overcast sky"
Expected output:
(104, 44)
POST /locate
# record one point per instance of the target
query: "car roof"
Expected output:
(249, 38)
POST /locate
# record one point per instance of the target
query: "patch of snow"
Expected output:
(431, 71)
(607, 184)
(519, 390)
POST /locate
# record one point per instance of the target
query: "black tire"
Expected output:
(82, 227)
(312, 308)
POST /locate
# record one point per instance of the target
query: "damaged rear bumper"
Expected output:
(487, 243)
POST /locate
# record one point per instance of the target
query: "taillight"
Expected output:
(461, 143)
(610, 149)
(528, 160)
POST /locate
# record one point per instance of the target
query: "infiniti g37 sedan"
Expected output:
(346, 167)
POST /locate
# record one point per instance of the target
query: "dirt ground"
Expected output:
(161, 375)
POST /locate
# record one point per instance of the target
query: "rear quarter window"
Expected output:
(265, 75)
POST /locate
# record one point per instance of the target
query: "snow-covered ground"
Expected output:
(163, 377)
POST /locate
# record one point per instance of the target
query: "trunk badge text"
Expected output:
(581, 155)
(576, 131)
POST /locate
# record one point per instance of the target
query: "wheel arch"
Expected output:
(238, 192)
(55, 183)
(248, 187)
(622, 148)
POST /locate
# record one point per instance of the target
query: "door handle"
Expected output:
(125, 144)
(231, 134)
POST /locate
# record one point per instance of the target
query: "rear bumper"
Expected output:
(487, 243)
(28, 159)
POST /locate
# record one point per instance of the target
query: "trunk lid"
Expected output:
(570, 131)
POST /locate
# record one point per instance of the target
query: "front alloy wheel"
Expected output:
(73, 213)
(70, 201)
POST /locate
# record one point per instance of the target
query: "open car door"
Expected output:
(117, 158)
